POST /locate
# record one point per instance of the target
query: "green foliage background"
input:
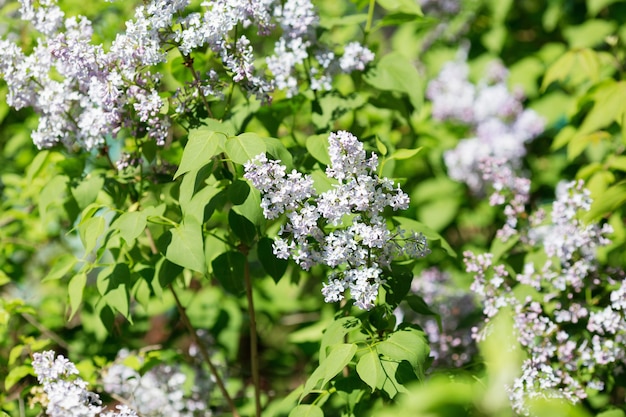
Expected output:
(79, 273)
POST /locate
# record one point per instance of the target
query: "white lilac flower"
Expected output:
(67, 394)
(158, 392)
(342, 227)
(355, 57)
(451, 345)
(494, 117)
(563, 360)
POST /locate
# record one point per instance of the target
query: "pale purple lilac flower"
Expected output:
(496, 121)
(341, 228)
(84, 93)
(452, 345)
(158, 392)
(562, 362)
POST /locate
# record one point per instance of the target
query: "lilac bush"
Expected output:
(86, 92)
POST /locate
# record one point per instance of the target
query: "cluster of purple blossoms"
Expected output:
(81, 93)
(572, 329)
(66, 392)
(343, 227)
(440, 7)
(84, 93)
(159, 392)
(452, 345)
(495, 117)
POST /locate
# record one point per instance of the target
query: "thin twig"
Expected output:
(45, 331)
(254, 350)
(205, 353)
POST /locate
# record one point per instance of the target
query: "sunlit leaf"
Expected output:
(370, 370)
(244, 147)
(203, 144)
(187, 246)
(306, 410)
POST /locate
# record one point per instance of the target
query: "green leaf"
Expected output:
(332, 106)
(229, 269)
(4, 278)
(340, 355)
(589, 34)
(370, 370)
(112, 277)
(52, 194)
(187, 246)
(579, 143)
(16, 374)
(394, 72)
(87, 191)
(195, 210)
(251, 208)
(382, 149)
(563, 137)
(609, 107)
(593, 8)
(336, 332)
(61, 267)
(608, 201)
(225, 127)
(131, 225)
(431, 235)
(35, 167)
(617, 162)
(166, 273)
(90, 230)
(118, 299)
(113, 284)
(203, 144)
(616, 412)
(244, 147)
(274, 266)
(306, 410)
(75, 291)
(242, 227)
(495, 38)
(395, 376)
(276, 149)
(420, 306)
(407, 345)
(317, 146)
(402, 154)
(499, 9)
(575, 66)
(238, 191)
(401, 6)
(499, 248)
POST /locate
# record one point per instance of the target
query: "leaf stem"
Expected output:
(204, 352)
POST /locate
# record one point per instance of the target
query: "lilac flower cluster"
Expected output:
(84, 93)
(452, 345)
(495, 117)
(157, 392)
(440, 7)
(572, 329)
(67, 394)
(342, 228)
(81, 93)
